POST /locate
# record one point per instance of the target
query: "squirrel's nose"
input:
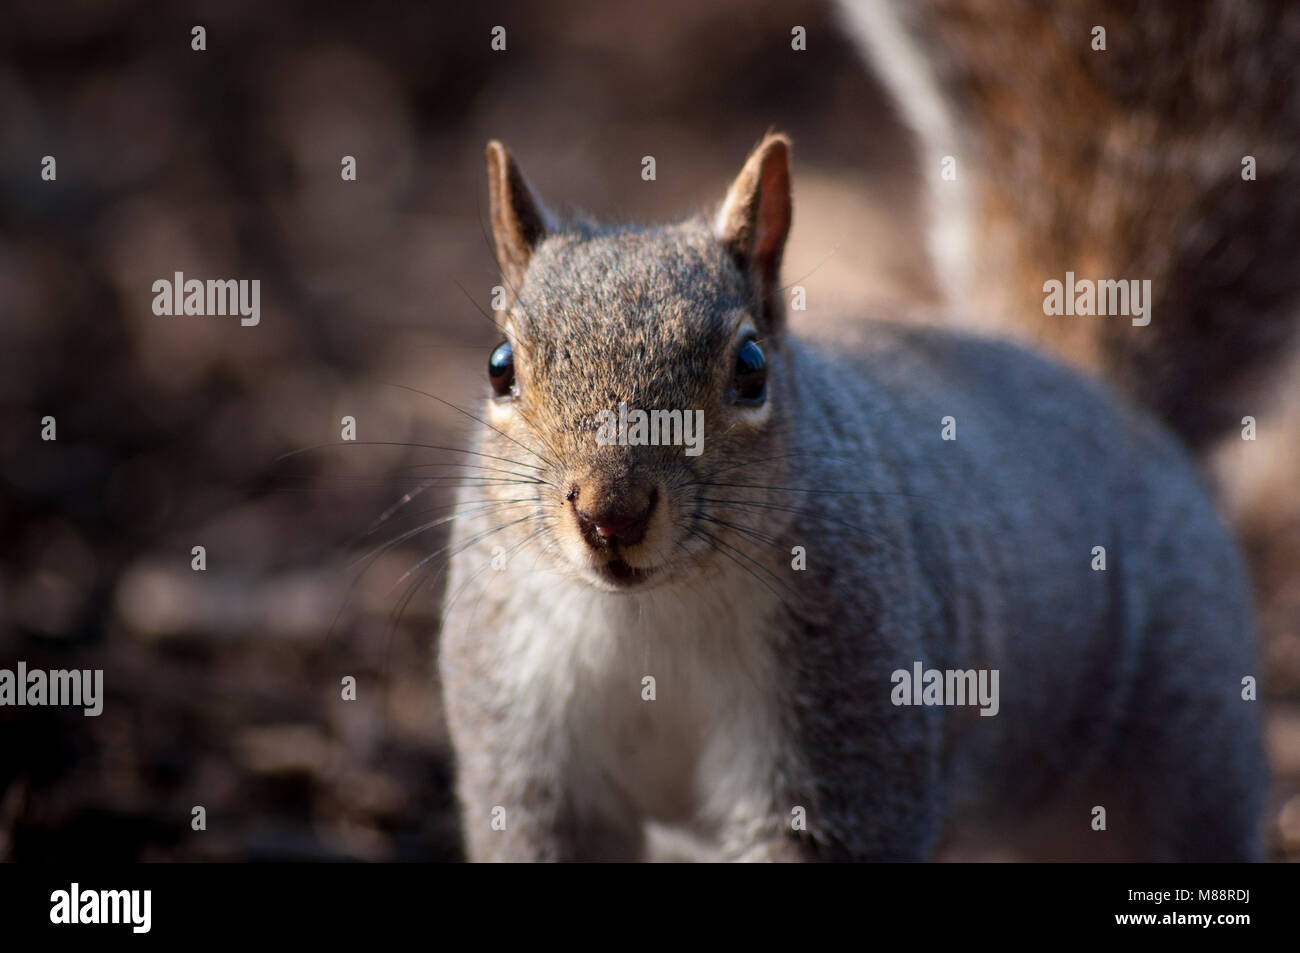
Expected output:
(622, 521)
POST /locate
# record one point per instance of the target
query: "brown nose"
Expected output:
(622, 521)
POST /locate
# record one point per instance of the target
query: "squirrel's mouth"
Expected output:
(620, 575)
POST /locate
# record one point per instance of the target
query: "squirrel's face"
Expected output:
(641, 379)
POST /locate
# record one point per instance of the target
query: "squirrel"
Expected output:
(737, 647)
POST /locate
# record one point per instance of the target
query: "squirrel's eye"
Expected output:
(751, 374)
(501, 369)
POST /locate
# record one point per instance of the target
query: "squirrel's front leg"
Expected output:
(909, 838)
(827, 832)
(519, 820)
(535, 811)
(524, 793)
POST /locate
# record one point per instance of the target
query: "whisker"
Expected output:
(479, 308)
(406, 498)
(761, 537)
(713, 542)
(394, 621)
(488, 502)
(425, 527)
(452, 601)
(746, 557)
(401, 443)
(461, 410)
(815, 269)
(459, 548)
(325, 485)
(820, 490)
(783, 456)
(477, 466)
(872, 534)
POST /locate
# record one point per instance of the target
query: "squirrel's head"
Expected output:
(642, 379)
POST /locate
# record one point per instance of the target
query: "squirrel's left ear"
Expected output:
(519, 221)
(755, 219)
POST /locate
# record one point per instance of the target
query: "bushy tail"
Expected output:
(1165, 147)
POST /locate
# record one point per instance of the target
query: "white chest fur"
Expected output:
(664, 702)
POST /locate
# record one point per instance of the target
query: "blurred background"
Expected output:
(223, 687)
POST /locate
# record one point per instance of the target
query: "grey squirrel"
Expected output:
(737, 646)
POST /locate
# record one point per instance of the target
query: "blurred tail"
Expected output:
(1162, 148)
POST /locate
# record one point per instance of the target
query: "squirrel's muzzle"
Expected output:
(613, 514)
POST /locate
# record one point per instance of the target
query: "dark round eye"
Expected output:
(501, 369)
(751, 374)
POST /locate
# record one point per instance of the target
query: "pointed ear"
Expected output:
(519, 220)
(755, 219)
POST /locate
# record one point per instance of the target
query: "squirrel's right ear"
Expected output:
(519, 221)
(755, 219)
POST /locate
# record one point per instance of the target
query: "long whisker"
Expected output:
(477, 466)
(815, 269)
(809, 513)
(324, 484)
(714, 543)
(425, 527)
(400, 609)
(347, 595)
(406, 498)
(401, 443)
(819, 490)
(394, 619)
(783, 456)
(761, 537)
(489, 502)
(479, 308)
(746, 557)
(461, 410)
(476, 481)
(527, 539)
(461, 547)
